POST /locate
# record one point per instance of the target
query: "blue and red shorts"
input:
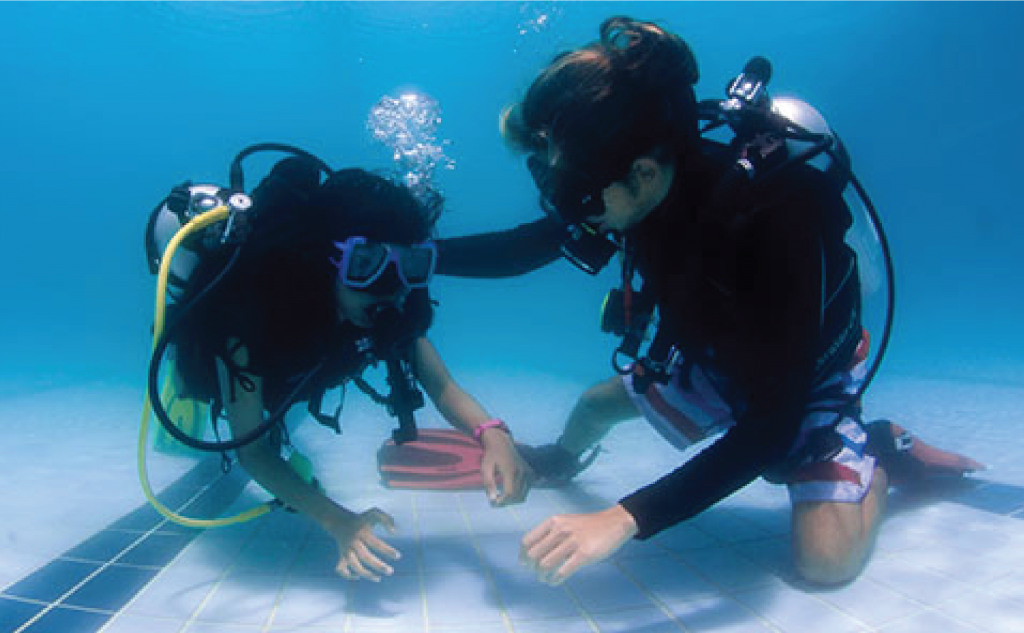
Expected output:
(686, 412)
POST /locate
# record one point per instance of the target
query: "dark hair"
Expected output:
(357, 202)
(626, 95)
(279, 297)
(295, 213)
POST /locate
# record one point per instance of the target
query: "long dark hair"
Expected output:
(626, 95)
(279, 298)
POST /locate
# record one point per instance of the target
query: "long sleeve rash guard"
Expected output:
(747, 300)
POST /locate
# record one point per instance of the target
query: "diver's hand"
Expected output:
(506, 475)
(360, 550)
(562, 544)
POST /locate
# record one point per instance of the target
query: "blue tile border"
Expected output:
(64, 620)
(85, 586)
(102, 546)
(110, 589)
(15, 613)
(156, 550)
(51, 581)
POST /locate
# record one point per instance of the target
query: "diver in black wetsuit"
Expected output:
(759, 336)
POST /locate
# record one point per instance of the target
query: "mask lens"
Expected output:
(571, 195)
(365, 262)
(417, 263)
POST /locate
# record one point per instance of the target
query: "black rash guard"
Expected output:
(740, 291)
(747, 304)
(502, 253)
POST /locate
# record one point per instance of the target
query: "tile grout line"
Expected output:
(53, 605)
(927, 609)
(562, 509)
(723, 592)
(506, 621)
(284, 582)
(420, 567)
(164, 568)
(93, 561)
(924, 606)
(220, 581)
(733, 547)
(810, 594)
(650, 596)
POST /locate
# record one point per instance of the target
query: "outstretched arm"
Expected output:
(506, 475)
(360, 550)
(499, 254)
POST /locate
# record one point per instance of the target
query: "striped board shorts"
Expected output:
(688, 412)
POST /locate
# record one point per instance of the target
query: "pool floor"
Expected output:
(81, 551)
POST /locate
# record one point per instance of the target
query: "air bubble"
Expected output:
(407, 125)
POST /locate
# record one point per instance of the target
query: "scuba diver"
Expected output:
(331, 277)
(740, 250)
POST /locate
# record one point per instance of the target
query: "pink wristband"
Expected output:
(493, 423)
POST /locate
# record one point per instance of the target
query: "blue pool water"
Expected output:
(106, 106)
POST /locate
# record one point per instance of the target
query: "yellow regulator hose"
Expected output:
(196, 224)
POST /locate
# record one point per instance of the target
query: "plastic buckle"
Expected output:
(904, 441)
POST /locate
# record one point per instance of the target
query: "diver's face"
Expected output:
(628, 201)
(578, 197)
(358, 306)
(622, 209)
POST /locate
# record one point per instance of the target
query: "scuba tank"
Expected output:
(771, 134)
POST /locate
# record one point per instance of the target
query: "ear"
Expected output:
(651, 179)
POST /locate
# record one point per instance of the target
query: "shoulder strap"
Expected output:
(315, 409)
(757, 161)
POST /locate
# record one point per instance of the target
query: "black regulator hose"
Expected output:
(237, 183)
(160, 349)
(830, 145)
(235, 175)
(890, 271)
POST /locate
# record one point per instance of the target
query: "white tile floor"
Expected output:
(950, 562)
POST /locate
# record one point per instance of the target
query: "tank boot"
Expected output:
(553, 465)
(908, 460)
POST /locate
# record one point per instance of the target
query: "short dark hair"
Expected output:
(603, 105)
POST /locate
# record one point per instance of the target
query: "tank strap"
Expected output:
(315, 409)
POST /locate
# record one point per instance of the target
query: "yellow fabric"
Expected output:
(187, 414)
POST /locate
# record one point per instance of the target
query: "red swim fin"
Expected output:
(909, 460)
(439, 459)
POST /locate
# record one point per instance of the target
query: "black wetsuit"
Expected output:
(741, 284)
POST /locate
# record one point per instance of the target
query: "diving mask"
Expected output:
(363, 262)
(571, 197)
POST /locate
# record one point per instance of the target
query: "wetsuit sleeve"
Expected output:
(736, 459)
(508, 253)
(774, 342)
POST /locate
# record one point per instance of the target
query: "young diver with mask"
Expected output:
(333, 280)
(740, 249)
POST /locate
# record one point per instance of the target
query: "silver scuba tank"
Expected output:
(183, 204)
